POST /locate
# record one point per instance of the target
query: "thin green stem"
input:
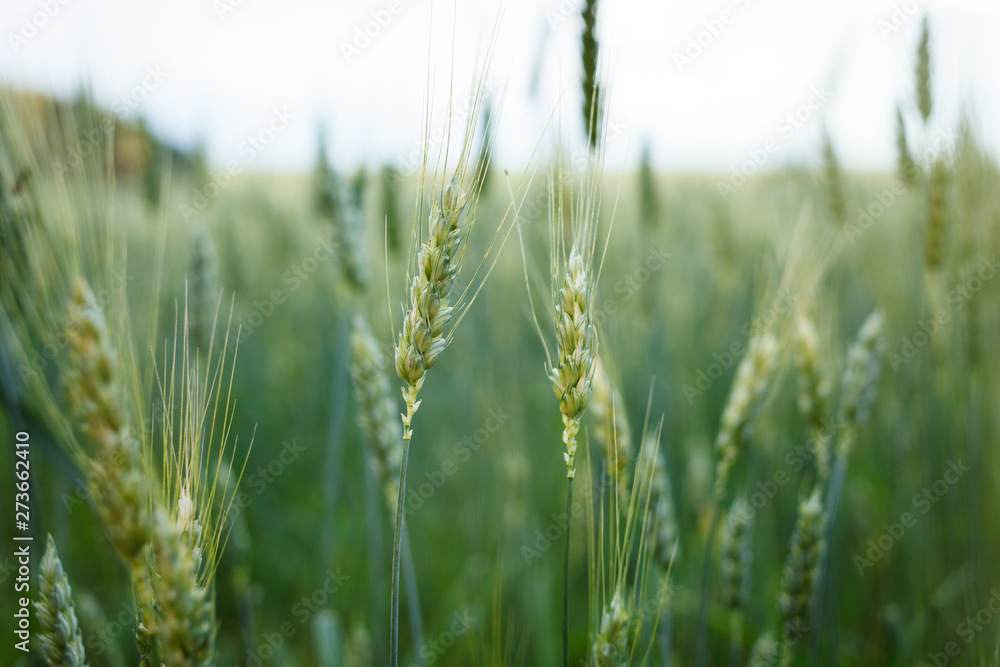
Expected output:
(664, 638)
(706, 569)
(396, 546)
(412, 597)
(412, 404)
(736, 639)
(565, 598)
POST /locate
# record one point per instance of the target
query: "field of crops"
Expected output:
(644, 418)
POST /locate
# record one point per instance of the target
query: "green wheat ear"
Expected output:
(909, 170)
(592, 103)
(753, 377)
(801, 573)
(59, 632)
(96, 400)
(923, 73)
(834, 180)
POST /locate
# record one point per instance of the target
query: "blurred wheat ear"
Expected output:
(59, 632)
(592, 102)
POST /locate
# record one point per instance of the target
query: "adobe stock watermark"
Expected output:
(543, 538)
(883, 200)
(712, 29)
(967, 631)
(629, 285)
(747, 507)
(410, 163)
(223, 8)
(249, 149)
(264, 476)
(786, 126)
(923, 501)
(794, 632)
(34, 23)
(957, 298)
(121, 106)
(705, 378)
(302, 612)
(900, 14)
(431, 651)
(563, 10)
(292, 280)
(462, 451)
(370, 30)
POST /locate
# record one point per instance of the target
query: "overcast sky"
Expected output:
(222, 71)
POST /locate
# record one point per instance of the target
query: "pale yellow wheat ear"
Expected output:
(573, 276)
(189, 524)
(434, 306)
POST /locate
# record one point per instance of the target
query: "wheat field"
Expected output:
(570, 413)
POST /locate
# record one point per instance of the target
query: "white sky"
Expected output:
(224, 75)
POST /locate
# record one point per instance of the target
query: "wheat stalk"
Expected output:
(572, 379)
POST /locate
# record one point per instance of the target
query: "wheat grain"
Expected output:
(745, 398)
(923, 72)
(592, 102)
(937, 214)
(573, 375)
(736, 556)
(909, 170)
(764, 652)
(801, 572)
(186, 614)
(814, 390)
(95, 398)
(834, 180)
(59, 632)
(858, 387)
(611, 644)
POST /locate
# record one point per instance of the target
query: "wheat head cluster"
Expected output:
(602, 511)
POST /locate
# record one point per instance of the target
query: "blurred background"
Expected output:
(701, 100)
